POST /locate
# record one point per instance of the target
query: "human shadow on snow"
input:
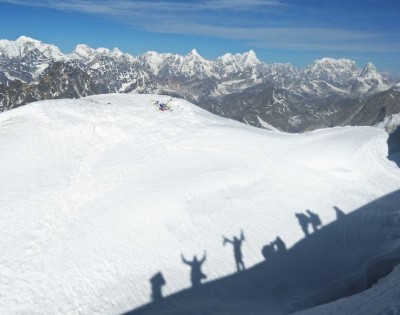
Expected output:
(342, 258)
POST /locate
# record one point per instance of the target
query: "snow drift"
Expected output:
(99, 194)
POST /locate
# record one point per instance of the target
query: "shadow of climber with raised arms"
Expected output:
(196, 275)
(237, 250)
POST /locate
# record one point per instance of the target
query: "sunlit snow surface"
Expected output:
(99, 194)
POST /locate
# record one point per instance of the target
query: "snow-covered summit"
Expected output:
(332, 70)
(85, 52)
(247, 59)
(103, 192)
(25, 45)
(116, 52)
(82, 50)
(368, 69)
(25, 39)
(194, 53)
(250, 59)
(26, 58)
(370, 80)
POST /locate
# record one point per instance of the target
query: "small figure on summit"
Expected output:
(163, 105)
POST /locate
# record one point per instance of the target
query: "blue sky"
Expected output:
(295, 31)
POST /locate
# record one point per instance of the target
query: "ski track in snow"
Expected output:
(99, 194)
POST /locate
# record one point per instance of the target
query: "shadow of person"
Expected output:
(157, 282)
(339, 213)
(274, 249)
(237, 250)
(268, 251)
(280, 246)
(303, 222)
(314, 220)
(196, 275)
(312, 272)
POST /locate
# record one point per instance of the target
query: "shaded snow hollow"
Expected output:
(99, 194)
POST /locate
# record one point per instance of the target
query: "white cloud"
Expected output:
(121, 6)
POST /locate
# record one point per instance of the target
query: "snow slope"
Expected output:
(99, 194)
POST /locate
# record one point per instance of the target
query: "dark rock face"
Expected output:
(378, 106)
(60, 80)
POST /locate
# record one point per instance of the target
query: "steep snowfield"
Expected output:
(99, 194)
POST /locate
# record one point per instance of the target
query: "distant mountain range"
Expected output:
(329, 92)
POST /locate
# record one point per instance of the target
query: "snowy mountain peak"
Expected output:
(154, 60)
(332, 71)
(25, 39)
(226, 58)
(369, 68)
(333, 64)
(83, 50)
(25, 45)
(116, 52)
(194, 53)
(250, 58)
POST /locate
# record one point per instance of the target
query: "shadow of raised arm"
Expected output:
(242, 235)
(226, 240)
(204, 258)
(185, 261)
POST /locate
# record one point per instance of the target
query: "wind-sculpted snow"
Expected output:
(99, 194)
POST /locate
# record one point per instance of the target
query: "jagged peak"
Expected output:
(251, 54)
(85, 51)
(194, 53)
(24, 44)
(368, 69)
(245, 59)
(250, 58)
(115, 51)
